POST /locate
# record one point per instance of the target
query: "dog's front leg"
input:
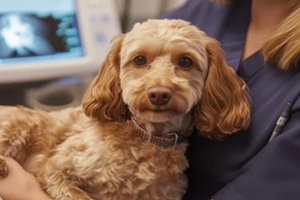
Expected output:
(65, 174)
(15, 130)
(60, 187)
(61, 184)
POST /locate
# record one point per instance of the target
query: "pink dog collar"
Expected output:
(168, 140)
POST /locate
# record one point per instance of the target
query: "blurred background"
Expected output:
(49, 56)
(131, 11)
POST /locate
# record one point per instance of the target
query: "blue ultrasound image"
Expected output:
(30, 35)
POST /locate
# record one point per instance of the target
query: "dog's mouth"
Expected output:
(158, 114)
(148, 111)
(160, 110)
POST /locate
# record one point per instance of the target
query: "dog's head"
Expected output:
(164, 69)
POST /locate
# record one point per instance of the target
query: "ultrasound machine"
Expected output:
(49, 49)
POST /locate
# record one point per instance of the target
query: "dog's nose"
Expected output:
(159, 95)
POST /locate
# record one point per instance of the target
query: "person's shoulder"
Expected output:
(189, 10)
(204, 14)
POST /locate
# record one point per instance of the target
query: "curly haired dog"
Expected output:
(158, 82)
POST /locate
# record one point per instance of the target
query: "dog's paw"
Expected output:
(3, 168)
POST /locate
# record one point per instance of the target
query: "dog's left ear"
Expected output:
(224, 107)
(102, 101)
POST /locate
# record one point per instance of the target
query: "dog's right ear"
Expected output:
(103, 101)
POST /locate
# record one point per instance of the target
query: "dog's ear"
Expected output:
(224, 107)
(103, 101)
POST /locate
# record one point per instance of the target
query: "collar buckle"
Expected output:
(175, 135)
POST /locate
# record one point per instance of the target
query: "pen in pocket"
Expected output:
(281, 121)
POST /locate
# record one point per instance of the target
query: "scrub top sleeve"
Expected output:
(274, 172)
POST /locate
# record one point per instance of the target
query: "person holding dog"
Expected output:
(261, 39)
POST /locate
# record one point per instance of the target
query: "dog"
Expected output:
(159, 83)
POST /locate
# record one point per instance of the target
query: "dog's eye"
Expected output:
(140, 60)
(185, 62)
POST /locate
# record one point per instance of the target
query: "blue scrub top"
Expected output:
(245, 166)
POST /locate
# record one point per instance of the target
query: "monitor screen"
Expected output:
(38, 30)
(45, 39)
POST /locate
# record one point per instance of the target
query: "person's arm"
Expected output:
(5, 107)
(274, 172)
(20, 185)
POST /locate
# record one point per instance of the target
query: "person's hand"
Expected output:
(5, 107)
(19, 184)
